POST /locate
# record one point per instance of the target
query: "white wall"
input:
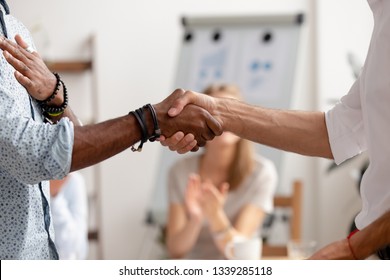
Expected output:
(137, 46)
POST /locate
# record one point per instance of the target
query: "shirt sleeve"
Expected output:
(345, 126)
(31, 150)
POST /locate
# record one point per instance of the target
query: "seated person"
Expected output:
(217, 195)
(69, 214)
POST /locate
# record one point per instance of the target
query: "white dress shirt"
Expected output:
(361, 120)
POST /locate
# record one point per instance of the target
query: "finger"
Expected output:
(16, 63)
(192, 179)
(21, 42)
(180, 103)
(183, 143)
(197, 181)
(15, 50)
(193, 147)
(193, 183)
(224, 188)
(23, 80)
(173, 140)
(214, 125)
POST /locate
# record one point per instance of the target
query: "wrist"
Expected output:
(195, 219)
(218, 221)
(54, 106)
(59, 97)
(147, 120)
(154, 131)
(223, 107)
(221, 234)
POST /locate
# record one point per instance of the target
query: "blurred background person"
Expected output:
(219, 194)
(69, 206)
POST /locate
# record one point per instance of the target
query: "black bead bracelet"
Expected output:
(53, 111)
(56, 89)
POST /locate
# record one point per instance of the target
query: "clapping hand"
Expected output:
(193, 197)
(213, 198)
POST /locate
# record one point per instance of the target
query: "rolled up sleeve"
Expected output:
(345, 126)
(33, 152)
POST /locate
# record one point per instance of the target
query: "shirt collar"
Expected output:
(4, 7)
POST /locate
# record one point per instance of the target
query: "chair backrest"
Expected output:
(294, 202)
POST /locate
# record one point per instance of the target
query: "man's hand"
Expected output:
(180, 143)
(31, 71)
(190, 97)
(338, 250)
(191, 120)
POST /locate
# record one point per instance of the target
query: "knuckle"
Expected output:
(163, 143)
(189, 138)
(179, 90)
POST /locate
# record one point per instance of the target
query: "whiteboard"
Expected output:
(256, 53)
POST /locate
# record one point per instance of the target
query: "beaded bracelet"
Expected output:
(55, 111)
(56, 90)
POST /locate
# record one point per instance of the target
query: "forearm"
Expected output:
(182, 242)
(95, 143)
(72, 116)
(295, 131)
(221, 229)
(372, 238)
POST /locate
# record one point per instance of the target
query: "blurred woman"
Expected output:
(218, 195)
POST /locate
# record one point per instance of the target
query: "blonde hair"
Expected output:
(243, 162)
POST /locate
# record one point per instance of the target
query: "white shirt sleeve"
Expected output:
(345, 126)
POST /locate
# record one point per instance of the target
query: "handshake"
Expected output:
(186, 119)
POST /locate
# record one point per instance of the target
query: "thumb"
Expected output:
(189, 97)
